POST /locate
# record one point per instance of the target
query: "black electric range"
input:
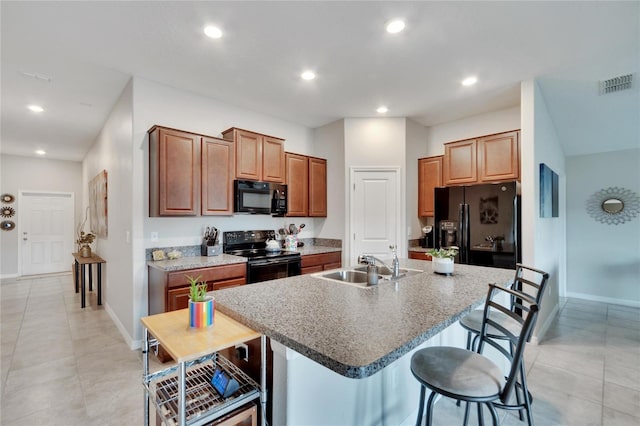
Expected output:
(262, 264)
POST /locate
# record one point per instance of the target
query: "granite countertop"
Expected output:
(420, 249)
(194, 262)
(313, 249)
(359, 331)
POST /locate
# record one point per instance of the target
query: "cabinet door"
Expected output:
(499, 157)
(297, 184)
(460, 162)
(419, 255)
(429, 177)
(218, 170)
(248, 155)
(177, 298)
(174, 173)
(273, 163)
(317, 187)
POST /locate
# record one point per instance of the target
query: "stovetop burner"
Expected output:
(252, 245)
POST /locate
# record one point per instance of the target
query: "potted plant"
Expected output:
(201, 306)
(442, 259)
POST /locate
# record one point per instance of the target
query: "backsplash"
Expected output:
(191, 251)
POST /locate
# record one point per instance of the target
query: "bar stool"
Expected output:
(531, 284)
(469, 376)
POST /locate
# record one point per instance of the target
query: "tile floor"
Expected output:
(62, 365)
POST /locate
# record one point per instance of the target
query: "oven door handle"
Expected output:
(269, 262)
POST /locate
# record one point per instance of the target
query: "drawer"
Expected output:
(321, 259)
(419, 255)
(216, 273)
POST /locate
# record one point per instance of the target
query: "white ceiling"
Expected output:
(91, 49)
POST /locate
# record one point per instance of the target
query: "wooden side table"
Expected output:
(79, 268)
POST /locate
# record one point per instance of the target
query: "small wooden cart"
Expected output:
(182, 394)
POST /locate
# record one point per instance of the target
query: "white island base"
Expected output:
(307, 393)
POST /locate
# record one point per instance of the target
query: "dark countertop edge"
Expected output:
(350, 371)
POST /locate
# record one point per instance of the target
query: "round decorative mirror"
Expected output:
(613, 205)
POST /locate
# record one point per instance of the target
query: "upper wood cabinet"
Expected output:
(429, 177)
(460, 163)
(174, 172)
(218, 171)
(189, 174)
(258, 157)
(485, 159)
(317, 187)
(297, 167)
(499, 157)
(307, 185)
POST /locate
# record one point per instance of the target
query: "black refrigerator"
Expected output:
(483, 221)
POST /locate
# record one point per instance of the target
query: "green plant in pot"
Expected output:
(442, 259)
(201, 306)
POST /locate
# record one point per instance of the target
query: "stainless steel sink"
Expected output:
(358, 277)
(386, 273)
(355, 277)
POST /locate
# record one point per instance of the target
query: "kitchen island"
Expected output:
(330, 333)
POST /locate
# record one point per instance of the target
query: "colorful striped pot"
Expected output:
(201, 313)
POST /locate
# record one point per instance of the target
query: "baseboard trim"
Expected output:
(542, 330)
(625, 302)
(133, 344)
(8, 276)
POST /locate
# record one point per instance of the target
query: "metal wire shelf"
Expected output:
(202, 401)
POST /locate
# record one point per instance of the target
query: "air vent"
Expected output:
(616, 84)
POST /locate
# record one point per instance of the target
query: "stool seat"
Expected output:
(473, 323)
(457, 372)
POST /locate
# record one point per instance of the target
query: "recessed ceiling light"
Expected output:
(469, 81)
(308, 75)
(382, 109)
(395, 26)
(40, 152)
(35, 108)
(213, 32)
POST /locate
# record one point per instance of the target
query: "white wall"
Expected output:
(154, 103)
(603, 261)
(19, 173)
(112, 152)
(329, 144)
(471, 127)
(416, 139)
(543, 238)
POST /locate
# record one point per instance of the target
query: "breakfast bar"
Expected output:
(346, 347)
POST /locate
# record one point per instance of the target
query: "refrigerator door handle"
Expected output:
(464, 233)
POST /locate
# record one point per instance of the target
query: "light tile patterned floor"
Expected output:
(62, 365)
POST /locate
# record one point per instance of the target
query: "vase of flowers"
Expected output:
(84, 243)
(442, 260)
(201, 306)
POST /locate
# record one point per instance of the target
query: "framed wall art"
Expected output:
(548, 192)
(98, 204)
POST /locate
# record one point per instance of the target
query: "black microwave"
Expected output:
(260, 197)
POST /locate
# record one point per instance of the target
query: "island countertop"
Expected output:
(359, 331)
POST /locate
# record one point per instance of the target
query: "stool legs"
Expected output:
(432, 398)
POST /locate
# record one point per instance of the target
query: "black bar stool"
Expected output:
(469, 376)
(531, 284)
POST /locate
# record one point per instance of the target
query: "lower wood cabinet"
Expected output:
(169, 291)
(321, 262)
(419, 255)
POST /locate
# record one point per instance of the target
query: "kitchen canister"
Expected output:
(291, 243)
(201, 314)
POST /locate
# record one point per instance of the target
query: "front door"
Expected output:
(46, 232)
(375, 212)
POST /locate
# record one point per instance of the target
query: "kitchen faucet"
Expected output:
(395, 264)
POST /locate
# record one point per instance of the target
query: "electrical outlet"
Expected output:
(242, 352)
(154, 236)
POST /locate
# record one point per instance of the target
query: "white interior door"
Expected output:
(46, 232)
(375, 212)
